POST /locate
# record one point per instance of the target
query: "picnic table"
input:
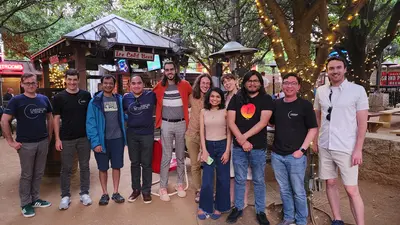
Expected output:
(385, 119)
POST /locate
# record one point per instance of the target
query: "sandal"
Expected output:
(197, 198)
(215, 216)
(203, 215)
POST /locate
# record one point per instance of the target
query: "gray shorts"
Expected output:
(330, 161)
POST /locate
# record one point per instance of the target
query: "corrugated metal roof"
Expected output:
(128, 33)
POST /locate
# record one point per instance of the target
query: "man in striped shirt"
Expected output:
(172, 116)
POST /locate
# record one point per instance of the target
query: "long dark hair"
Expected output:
(243, 93)
(207, 104)
(196, 86)
(177, 79)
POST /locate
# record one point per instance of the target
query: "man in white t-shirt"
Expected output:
(341, 108)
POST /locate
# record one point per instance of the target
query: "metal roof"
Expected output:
(128, 33)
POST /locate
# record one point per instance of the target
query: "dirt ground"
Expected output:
(382, 203)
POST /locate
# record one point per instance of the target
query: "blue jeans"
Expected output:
(257, 160)
(222, 201)
(290, 172)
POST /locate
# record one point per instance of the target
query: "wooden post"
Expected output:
(80, 65)
(46, 74)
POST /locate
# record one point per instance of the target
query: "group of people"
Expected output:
(224, 133)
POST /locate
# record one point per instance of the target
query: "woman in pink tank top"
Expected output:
(215, 139)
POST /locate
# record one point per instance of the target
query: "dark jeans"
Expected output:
(70, 147)
(32, 157)
(140, 149)
(222, 200)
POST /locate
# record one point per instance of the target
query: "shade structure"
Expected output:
(233, 48)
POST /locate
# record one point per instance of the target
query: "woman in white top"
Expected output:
(215, 139)
(230, 84)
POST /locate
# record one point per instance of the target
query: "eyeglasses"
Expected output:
(287, 83)
(328, 117)
(29, 83)
(253, 81)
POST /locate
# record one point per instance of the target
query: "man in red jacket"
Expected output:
(172, 116)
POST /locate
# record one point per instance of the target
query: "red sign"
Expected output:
(392, 80)
(12, 67)
(134, 55)
(53, 59)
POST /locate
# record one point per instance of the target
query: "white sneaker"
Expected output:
(86, 200)
(164, 195)
(181, 190)
(64, 204)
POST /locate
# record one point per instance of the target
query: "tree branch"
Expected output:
(33, 29)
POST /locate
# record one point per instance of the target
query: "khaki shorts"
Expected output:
(330, 161)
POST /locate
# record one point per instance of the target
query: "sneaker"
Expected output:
(28, 211)
(85, 199)
(181, 190)
(65, 202)
(41, 204)
(287, 222)
(234, 215)
(146, 198)
(135, 194)
(118, 198)
(164, 195)
(104, 199)
(337, 222)
(262, 218)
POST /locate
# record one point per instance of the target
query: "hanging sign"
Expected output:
(134, 55)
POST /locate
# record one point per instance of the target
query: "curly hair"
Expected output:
(196, 86)
(207, 104)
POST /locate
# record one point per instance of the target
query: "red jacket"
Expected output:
(184, 89)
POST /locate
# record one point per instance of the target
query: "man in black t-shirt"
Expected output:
(248, 114)
(295, 128)
(70, 106)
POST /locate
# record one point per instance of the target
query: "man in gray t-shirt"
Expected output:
(106, 132)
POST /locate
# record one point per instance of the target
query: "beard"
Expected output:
(171, 78)
(252, 92)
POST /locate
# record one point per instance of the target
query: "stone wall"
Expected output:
(381, 156)
(381, 159)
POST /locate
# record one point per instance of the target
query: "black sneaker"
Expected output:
(118, 198)
(262, 218)
(104, 199)
(337, 222)
(234, 215)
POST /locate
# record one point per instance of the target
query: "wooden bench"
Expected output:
(373, 126)
(386, 116)
(397, 132)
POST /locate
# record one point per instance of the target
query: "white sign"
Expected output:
(134, 55)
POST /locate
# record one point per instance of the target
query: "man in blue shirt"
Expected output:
(106, 133)
(32, 111)
(139, 106)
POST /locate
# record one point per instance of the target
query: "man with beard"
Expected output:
(70, 106)
(248, 114)
(106, 133)
(341, 108)
(172, 116)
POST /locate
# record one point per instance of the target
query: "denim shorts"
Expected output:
(114, 153)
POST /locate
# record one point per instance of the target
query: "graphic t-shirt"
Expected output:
(72, 110)
(140, 112)
(292, 121)
(31, 117)
(113, 129)
(172, 103)
(248, 115)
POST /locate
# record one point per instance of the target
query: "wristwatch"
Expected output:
(304, 151)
